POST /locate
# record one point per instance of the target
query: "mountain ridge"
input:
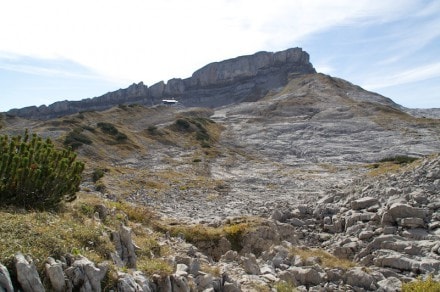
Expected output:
(242, 78)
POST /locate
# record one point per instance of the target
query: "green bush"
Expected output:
(97, 174)
(75, 138)
(399, 159)
(183, 124)
(108, 128)
(35, 175)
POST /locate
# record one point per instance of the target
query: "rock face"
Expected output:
(244, 78)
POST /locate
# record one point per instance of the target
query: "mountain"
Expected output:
(312, 182)
(243, 78)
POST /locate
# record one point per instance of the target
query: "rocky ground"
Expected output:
(300, 167)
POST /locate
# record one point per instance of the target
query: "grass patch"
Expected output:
(198, 234)
(327, 260)
(421, 285)
(43, 234)
(283, 286)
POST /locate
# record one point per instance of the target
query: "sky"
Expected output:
(53, 50)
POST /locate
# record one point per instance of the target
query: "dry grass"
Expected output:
(327, 260)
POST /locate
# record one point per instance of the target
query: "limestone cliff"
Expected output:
(245, 78)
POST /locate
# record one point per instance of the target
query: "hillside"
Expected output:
(298, 187)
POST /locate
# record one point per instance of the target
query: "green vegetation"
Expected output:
(399, 159)
(283, 286)
(111, 130)
(34, 175)
(199, 126)
(76, 139)
(327, 260)
(97, 174)
(427, 285)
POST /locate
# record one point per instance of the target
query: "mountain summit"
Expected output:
(245, 78)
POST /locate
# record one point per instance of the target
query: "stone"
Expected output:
(411, 222)
(231, 287)
(399, 210)
(55, 273)
(229, 256)
(359, 278)
(179, 284)
(5, 280)
(27, 274)
(126, 283)
(250, 264)
(364, 203)
(83, 274)
(365, 235)
(306, 276)
(142, 281)
(124, 246)
(390, 284)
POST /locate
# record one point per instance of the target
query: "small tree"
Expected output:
(35, 175)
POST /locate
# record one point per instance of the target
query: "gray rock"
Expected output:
(163, 283)
(364, 203)
(179, 284)
(250, 264)
(55, 273)
(142, 281)
(306, 276)
(83, 274)
(399, 210)
(411, 222)
(124, 246)
(231, 287)
(126, 283)
(27, 274)
(358, 278)
(5, 280)
(390, 284)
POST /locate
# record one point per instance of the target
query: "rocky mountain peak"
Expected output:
(244, 78)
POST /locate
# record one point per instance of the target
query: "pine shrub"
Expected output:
(35, 175)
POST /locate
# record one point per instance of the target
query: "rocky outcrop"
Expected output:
(220, 83)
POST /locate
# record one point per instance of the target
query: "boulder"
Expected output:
(250, 264)
(307, 276)
(400, 210)
(359, 278)
(364, 203)
(27, 274)
(411, 222)
(85, 276)
(391, 284)
(124, 246)
(5, 280)
(55, 273)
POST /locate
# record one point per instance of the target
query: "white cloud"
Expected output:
(408, 76)
(152, 40)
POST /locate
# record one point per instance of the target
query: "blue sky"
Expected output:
(52, 50)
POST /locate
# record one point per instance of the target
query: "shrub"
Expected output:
(108, 128)
(97, 174)
(399, 159)
(34, 175)
(75, 139)
(183, 124)
(421, 285)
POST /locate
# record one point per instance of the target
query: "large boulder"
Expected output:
(27, 274)
(5, 280)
